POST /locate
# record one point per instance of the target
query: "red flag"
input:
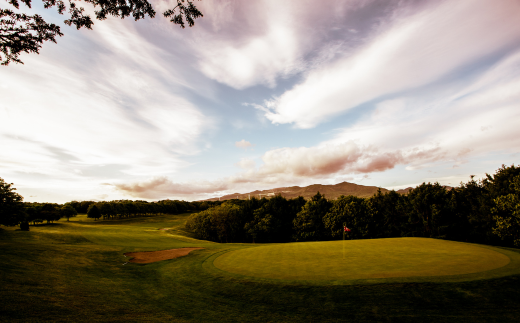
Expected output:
(346, 229)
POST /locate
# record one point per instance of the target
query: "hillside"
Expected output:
(330, 191)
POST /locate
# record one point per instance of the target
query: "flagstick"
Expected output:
(343, 244)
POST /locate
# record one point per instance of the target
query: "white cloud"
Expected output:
(246, 163)
(477, 120)
(415, 51)
(259, 59)
(243, 144)
(121, 116)
(247, 43)
(117, 105)
(161, 187)
(400, 131)
(313, 161)
(285, 166)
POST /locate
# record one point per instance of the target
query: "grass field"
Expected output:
(401, 258)
(73, 271)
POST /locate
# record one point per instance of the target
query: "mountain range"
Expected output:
(331, 192)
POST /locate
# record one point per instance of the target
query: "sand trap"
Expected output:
(146, 257)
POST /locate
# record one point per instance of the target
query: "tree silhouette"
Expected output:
(26, 33)
(68, 211)
(11, 207)
(93, 212)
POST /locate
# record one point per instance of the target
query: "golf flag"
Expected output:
(346, 229)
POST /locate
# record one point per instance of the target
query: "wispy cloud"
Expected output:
(243, 44)
(135, 104)
(415, 50)
(478, 119)
(61, 120)
(161, 187)
(475, 120)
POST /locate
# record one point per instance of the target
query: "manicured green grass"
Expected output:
(366, 259)
(73, 272)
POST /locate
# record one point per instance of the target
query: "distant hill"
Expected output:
(404, 190)
(331, 192)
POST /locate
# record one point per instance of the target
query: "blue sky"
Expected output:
(264, 94)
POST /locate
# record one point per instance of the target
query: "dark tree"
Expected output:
(351, 211)
(26, 33)
(263, 227)
(80, 207)
(428, 209)
(469, 220)
(499, 184)
(308, 224)
(93, 212)
(50, 212)
(33, 212)
(201, 225)
(106, 209)
(226, 221)
(68, 211)
(387, 214)
(272, 222)
(507, 214)
(11, 207)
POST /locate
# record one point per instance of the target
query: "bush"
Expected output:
(24, 226)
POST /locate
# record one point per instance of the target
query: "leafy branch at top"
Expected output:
(26, 33)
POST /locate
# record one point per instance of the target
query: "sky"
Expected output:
(261, 94)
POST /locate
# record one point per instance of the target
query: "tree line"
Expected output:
(13, 211)
(126, 208)
(485, 211)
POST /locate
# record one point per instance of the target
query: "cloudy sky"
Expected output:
(262, 94)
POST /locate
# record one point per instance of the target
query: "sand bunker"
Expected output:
(147, 257)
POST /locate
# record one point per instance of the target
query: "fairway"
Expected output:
(361, 259)
(76, 272)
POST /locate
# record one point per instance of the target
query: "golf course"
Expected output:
(83, 270)
(405, 258)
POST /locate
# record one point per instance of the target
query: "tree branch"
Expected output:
(25, 33)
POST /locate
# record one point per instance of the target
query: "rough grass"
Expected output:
(73, 272)
(367, 259)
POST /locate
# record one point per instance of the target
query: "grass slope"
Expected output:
(73, 271)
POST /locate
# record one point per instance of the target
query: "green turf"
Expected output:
(73, 272)
(365, 259)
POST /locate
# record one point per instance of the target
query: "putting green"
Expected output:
(361, 259)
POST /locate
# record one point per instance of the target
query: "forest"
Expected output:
(485, 211)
